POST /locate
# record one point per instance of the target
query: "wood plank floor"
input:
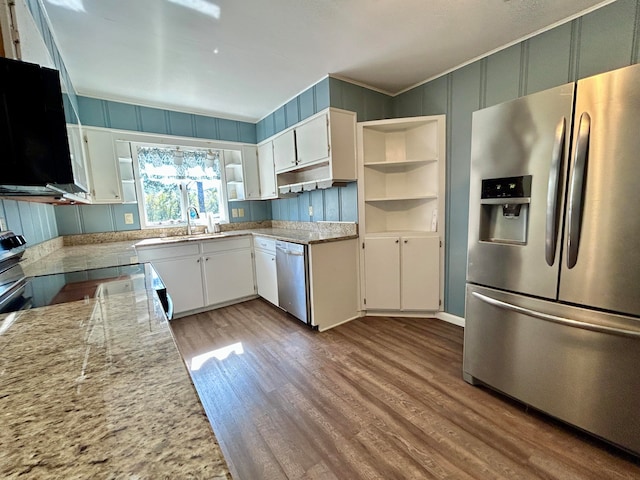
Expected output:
(376, 398)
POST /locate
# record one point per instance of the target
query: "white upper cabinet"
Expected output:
(284, 151)
(312, 140)
(105, 185)
(266, 170)
(78, 156)
(324, 152)
(251, 174)
(241, 173)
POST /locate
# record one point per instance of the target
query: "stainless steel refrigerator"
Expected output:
(553, 274)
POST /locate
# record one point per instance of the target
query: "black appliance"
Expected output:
(35, 157)
(18, 292)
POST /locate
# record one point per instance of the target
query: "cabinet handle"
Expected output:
(406, 241)
(397, 241)
(198, 261)
(207, 259)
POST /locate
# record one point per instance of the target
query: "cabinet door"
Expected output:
(420, 273)
(228, 276)
(104, 170)
(267, 171)
(382, 273)
(183, 279)
(266, 277)
(250, 168)
(284, 151)
(312, 140)
(78, 156)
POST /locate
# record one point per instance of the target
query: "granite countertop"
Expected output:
(97, 389)
(83, 257)
(304, 237)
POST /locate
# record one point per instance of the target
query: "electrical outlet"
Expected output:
(241, 212)
(128, 218)
(310, 211)
(234, 212)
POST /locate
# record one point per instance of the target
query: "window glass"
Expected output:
(173, 179)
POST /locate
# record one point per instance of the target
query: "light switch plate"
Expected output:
(3, 224)
(234, 212)
(241, 212)
(128, 218)
(310, 211)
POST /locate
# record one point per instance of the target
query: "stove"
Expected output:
(19, 292)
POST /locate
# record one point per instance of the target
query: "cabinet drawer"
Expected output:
(222, 245)
(157, 253)
(265, 243)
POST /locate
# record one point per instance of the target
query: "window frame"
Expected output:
(169, 141)
(181, 187)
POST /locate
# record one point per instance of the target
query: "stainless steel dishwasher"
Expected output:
(293, 282)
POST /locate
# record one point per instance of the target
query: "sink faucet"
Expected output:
(189, 210)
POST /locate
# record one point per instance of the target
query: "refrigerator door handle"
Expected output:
(555, 319)
(576, 192)
(553, 191)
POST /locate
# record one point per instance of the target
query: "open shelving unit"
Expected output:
(401, 211)
(234, 175)
(125, 166)
(402, 174)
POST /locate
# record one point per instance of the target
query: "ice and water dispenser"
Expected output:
(504, 210)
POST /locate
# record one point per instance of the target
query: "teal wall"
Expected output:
(336, 204)
(36, 221)
(368, 104)
(603, 40)
(125, 116)
(309, 102)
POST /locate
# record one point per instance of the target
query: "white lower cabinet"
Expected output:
(266, 274)
(183, 280)
(402, 273)
(204, 273)
(228, 276)
(333, 283)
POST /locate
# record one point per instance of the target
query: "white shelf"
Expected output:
(404, 163)
(401, 186)
(430, 196)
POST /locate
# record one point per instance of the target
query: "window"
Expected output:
(172, 179)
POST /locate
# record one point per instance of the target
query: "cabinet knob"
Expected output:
(198, 261)
(406, 241)
(397, 241)
(207, 259)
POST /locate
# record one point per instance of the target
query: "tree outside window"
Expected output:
(173, 179)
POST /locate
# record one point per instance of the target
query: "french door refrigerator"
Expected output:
(553, 272)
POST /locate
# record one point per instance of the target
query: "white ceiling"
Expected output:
(162, 53)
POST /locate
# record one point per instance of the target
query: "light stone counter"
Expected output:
(97, 389)
(81, 257)
(305, 237)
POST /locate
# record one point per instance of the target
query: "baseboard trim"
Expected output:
(447, 317)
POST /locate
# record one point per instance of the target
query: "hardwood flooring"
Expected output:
(376, 398)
